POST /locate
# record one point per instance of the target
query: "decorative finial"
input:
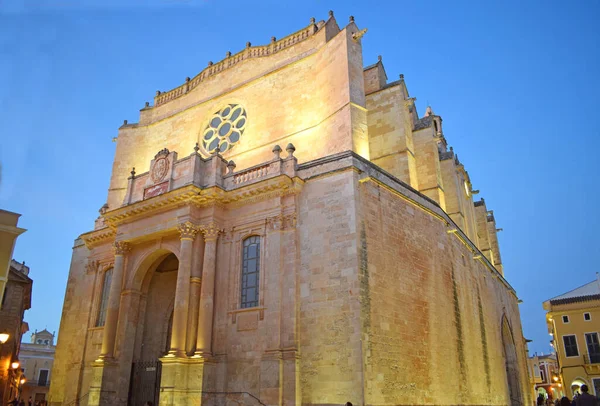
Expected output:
(248, 44)
(351, 19)
(379, 58)
(330, 13)
(147, 104)
(451, 149)
(273, 39)
(210, 63)
(402, 76)
(158, 92)
(196, 148)
(230, 166)
(187, 79)
(217, 150)
(228, 54)
(290, 149)
(124, 122)
(277, 151)
(133, 172)
(312, 20)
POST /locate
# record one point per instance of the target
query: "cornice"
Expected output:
(97, 237)
(203, 197)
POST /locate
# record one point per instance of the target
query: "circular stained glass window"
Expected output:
(224, 129)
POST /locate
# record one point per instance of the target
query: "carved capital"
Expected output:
(289, 220)
(211, 231)
(121, 247)
(91, 266)
(275, 223)
(188, 230)
(281, 222)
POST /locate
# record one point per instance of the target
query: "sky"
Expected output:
(515, 83)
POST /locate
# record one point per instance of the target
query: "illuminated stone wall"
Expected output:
(369, 291)
(431, 327)
(309, 93)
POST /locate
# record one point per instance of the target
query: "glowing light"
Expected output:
(23, 381)
(559, 385)
(4, 337)
(15, 365)
(555, 379)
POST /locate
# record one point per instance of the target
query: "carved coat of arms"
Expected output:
(159, 169)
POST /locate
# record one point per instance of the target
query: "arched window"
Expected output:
(250, 271)
(104, 298)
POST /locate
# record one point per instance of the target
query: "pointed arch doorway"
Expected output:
(153, 334)
(512, 365)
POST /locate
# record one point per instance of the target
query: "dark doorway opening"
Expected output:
(144, 383)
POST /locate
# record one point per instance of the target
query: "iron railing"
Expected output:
(77, 401)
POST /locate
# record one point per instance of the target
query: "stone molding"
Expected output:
(98, 237)
(188, 230)
(277, 186)
(121, 247)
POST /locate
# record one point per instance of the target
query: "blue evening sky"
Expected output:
(516, 83)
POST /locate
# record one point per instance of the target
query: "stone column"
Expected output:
(114, 298)
(207, 291)
(188, 232)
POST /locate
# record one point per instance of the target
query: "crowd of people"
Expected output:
(580, 399)
(30, 402)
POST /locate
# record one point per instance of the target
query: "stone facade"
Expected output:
(350, 269)
(37, 358)
(17, 299)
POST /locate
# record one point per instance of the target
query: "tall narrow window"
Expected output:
(250, 270)
(104, 298)
(571, 349)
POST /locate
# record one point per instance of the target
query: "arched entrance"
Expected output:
(511, 363)
(576, 386)
(153, 334)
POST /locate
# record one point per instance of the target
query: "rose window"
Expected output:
(224, 129)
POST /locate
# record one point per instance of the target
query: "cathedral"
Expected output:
(285, 228)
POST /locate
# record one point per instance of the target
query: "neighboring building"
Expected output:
(17, 299)
(546, 376)
(8, 236)
(573, 320)
(354, 268)
(37, 358)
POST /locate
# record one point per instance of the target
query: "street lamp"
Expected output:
(15, 364)
(23, 381)
(4, 337)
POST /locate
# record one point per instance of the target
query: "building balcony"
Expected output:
(592, 363)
